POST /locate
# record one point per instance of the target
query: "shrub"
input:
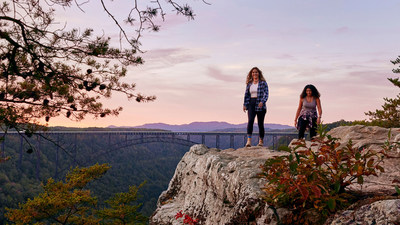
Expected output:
(312, 180)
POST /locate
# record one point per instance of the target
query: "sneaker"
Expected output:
(248, 144)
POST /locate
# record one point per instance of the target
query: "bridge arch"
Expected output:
(147, 140)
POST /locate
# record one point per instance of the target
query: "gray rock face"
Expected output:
(385, 212)
(222, 187)
(217, 187)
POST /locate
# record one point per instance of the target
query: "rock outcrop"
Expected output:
(222, 187)
(386, 212)
(372, 137)
(217, 187)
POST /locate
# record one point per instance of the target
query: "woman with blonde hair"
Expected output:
(255, 97)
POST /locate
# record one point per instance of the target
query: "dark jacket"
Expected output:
(262, 95)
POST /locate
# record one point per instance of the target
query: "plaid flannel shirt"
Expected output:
(262, 95)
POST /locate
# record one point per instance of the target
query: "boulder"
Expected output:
(217, 187)
(385, 212)
(222, 187)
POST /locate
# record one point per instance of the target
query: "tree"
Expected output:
(72, 203)
(389, 115)
(121, 210)
(48, 71)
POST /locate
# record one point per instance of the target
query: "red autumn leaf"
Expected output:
(179, 215)
(317, 191)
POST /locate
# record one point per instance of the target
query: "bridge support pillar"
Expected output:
(57, 150)
(274, 142)
(217, 141)
(203, 139)
(38, 158)
(21, 150)
(3, 147)
(188, 137)
(232, 143)
(75, 149)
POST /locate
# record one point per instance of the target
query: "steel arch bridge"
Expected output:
(66, 143)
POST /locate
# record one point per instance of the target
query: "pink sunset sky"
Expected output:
(197, 69)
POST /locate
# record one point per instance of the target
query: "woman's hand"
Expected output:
(260, 104)
(295, 123)
(244, 108)
(318, 120)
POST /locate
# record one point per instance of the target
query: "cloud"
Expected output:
(294, 32)
(170, 20)
(342, 30)
(219, 75)
(285, 56)
(169, 57)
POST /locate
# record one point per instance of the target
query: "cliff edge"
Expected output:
(222, 187)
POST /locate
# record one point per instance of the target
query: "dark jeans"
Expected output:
(251, 112)
(302, 124)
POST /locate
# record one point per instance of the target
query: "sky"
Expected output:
(197, 68)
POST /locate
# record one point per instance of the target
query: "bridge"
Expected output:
(65, 144)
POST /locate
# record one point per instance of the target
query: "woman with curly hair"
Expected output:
(255, 97)
(306, 115)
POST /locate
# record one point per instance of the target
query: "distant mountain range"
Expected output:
(206, 126)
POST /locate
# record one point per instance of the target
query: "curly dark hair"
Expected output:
(314, 91)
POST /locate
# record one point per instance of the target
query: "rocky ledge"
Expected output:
(222, 187)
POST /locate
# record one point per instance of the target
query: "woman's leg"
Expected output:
(302, 127)
(260, 121)
(251, 113)
(313, 129)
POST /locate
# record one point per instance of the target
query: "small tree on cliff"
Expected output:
(389, 115)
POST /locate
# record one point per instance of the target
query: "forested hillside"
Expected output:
(20, 178)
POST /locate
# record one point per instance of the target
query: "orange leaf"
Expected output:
(370, 163)
(360, 170)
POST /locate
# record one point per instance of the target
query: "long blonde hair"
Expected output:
(250, 77)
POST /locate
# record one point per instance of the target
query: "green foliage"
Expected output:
(70, 202)
(397, 190)
(20, 177)
(330, 126)
(63, 203)
(397, 187)
(389, 115)
(121, 210)
(312, 180)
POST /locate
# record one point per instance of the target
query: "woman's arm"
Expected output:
(246, 99)
(265, 94)
(298, 111)
(319, 110)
